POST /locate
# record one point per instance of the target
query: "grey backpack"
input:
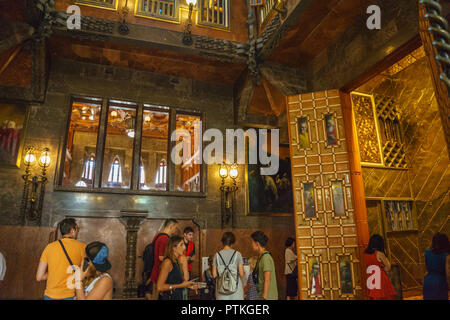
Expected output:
(227, 283)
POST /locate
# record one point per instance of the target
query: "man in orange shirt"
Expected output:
(54, 264)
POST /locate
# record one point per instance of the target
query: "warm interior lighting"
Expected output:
(130, 133)
(29, 158)
(223, 172)
(234, 171)
(114, 113)
(187, 38)
(44, 160)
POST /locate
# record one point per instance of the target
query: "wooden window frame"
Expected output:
(97, 4)
(139, 12)
(222, 27)
(134, 179)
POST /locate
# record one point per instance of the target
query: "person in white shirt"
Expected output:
(2, 267)
(290, 270)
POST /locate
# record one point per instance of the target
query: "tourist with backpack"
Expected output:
(154, 255)
(228, 270)
(264, 274)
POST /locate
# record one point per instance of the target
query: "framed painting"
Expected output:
(309, 200)
(302, 133)
(337, 192)
(332, 138)
(315, 282)
(270, 194)
(345, 275)
(13, 118)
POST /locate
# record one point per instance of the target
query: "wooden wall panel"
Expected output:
(327, 237)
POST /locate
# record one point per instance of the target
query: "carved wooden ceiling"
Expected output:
(323, 23)
(318, 27)
(145, 59)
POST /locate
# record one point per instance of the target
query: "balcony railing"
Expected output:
(214, 13)
(266, 12)
(164, 10)
(108, 4)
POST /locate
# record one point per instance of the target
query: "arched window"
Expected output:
(87, 177)
(115, 173)
(142, 185)
(88, 172)
(161, 173)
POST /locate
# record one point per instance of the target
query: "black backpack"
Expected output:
(255, 271)
(149, 261)
(149, 255)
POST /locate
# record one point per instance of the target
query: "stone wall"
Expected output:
(427, 181)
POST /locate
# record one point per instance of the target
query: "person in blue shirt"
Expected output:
(435, 284)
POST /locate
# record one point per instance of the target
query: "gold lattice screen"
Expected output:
(325, 224)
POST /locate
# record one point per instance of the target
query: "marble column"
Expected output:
(132, 221)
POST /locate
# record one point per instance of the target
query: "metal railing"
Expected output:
(215, 13)
(111, 4)
(265, 11)
(165, 10)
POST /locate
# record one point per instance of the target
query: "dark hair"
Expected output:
(289, 242)
(168, 222)
(260, 237)
(188, 230)
(66, 225)
(440, 244)
(228, 238)
(376, 242)
(172, 243)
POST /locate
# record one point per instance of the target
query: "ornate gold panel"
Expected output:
(321, 178)
(367, 129)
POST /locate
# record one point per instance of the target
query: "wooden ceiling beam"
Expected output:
(13, 34)
(296, 9)
(243, 92)
(289, 81)
(358, 49)
(163, 39)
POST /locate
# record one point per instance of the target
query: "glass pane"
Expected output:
(81, 144)
(330, 125)
(345, 273)
(187, 174)
(338, 198)
(119, 142)
(153, 164)
(302, 133)
(310, 205)
(315, 279)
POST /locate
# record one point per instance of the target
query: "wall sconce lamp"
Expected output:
(123, 13)
(187, 35)
(34, 186)
(228, 194)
